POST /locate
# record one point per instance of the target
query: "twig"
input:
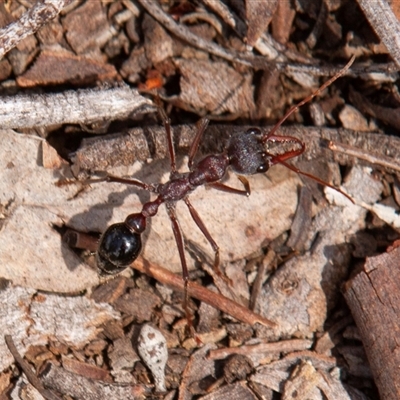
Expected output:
(387, 70)
(377, 159)
(286, 346)
(385, 24)
(32, 378)
(140, 144)
(198, 292)
(74, 107)
(185, 34)
(223, 11)
(84, 241)
(37, 16)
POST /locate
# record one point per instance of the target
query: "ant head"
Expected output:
(246, 152)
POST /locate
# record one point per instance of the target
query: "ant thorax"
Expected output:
(246, 152)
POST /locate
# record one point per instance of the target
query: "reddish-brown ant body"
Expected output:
(245, 154)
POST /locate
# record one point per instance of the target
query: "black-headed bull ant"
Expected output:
(245, 154)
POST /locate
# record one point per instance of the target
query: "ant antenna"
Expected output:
(309, 98)
(276, 138)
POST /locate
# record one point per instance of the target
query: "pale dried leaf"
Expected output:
(74, 321)
(31, 252)
(34, 320)
(351, 118)
(303, 384)
(215, 87)
(50, 157)
(258, 15)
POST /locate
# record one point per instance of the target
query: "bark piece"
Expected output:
(71, 107)
(238, 391)
(385, 24)
(258, 15)
(308, 383)
(301, 221)
(5, 69)
(215, 87)
(122, 356)
(282, 21)
(80, 387)
(72, 320)
(23, 54)
(158, 44)
(52, 33)
(197, 368)
(55, 68)
(351, 118)
(374, 298)
(135, 65)
(30, 22)
(110, 291)
(138, 303)
(237, 367)
(260, 352)
(209, 317)
(86, 370)
(87, 27)
(31, 254)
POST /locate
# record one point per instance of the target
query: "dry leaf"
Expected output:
(258, 15)
(34, 320)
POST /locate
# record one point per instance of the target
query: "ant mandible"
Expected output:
(246, 154)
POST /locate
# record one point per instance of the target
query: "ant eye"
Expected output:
(263, 168)
(253, 131)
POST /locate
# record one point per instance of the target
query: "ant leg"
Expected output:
(112, 178)
(228, 189)
(204, 230)
(170, 144)
(315, 178)
(181, 249)
(201, 127)
(281, 159)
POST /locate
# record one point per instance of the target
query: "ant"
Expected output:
(246, 153)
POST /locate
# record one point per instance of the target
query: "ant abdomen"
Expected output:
(118, 248)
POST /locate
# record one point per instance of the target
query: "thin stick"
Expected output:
(176, 282)
(286, 346)
(30, 22)
(185, 34)
(198, 292)
(32, 378)
(73, 107)
(383, 161)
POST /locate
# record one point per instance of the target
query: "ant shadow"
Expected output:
(103, 212)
